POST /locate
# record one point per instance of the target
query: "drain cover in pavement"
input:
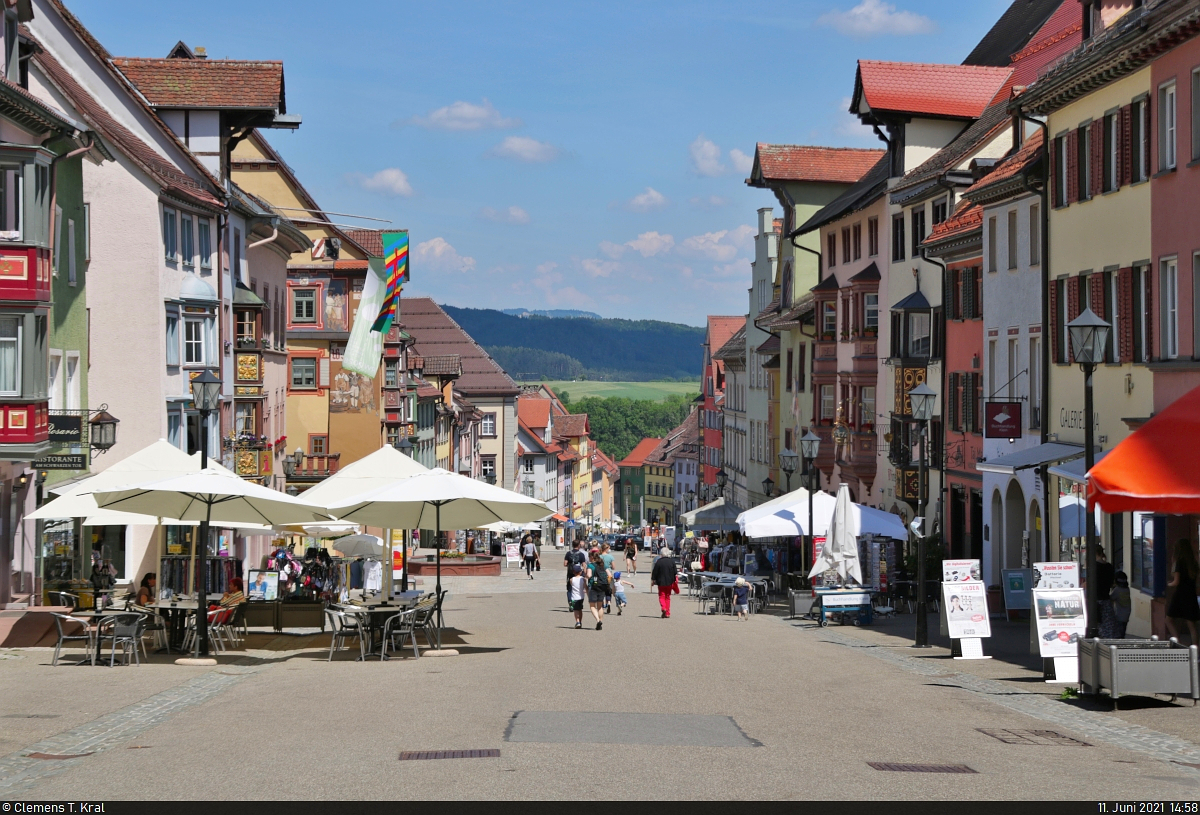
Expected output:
(425, 755)
(55, 757)
(31, 715)
(919, 768)
(560, 727)
(1042, 737)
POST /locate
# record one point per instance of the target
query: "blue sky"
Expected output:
(557, 155)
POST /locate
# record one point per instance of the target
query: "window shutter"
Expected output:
(1056, 194)
(1124, 327)
(955, 310)
(897, 323)
(968, 294)
(1148, 303)
(800, 371)
(1126, 149)
(938, 327)
(976, 404)
(977, 288)
(1146, 124)
(1096, 147)
(1072, 166)
(1096, 289)
(1072, 284)
(323, 372)
(968, 401)
(952, 402)
(1055, 350)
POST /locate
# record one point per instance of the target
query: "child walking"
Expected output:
(619, 584)
(576, 589)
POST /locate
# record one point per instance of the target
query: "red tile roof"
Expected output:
(1012, 165)
(206, 83)
(369, 239)
(603, 462)
(798, 162)
(572, 425)
(637, 456)
(957, 91)
(720, 329)
(435, 333)
(533, 434)
(533, 411)
(967, 218)
(99, 119)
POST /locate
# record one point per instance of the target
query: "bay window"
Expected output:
(245, 414)
(871, 310)
(918, 334)
(10, 356)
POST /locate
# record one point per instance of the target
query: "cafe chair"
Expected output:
(424, 617)
(395, 629)
(343, 626)
(154, 626)
(66, 598)
(76, 630)
(125, 630)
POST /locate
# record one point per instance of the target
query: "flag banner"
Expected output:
(364, 350)
(395, 265)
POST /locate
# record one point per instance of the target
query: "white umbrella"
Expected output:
(787, 516)
(209, 496)
(383, 467)
(435, 498)
(359, 546)
(331, 529)
(840, 551)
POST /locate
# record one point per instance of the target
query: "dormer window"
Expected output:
(915, 327)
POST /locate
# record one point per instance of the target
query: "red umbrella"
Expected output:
(1156, 469)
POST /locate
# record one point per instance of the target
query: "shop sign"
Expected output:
(512, 553)
(960, 571)
(66, 428)
(1058, 575)
(62, 462)
(1017, 584)
(1061, 619)
(1002, 420)
(966, 609)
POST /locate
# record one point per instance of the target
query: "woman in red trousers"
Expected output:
(665, 577)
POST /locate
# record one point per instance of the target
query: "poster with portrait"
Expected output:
(1061, 619)
(1059, 575)
(263, 585)
(966, 609)
(960, 571)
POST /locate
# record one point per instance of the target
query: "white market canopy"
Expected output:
(717, 516)
(383, 468)
(787, 516)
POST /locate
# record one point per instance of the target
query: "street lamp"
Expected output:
(722, 480)
(691, 499)
(102, 429)
(1089, 338)
(206, 395)
(922, 398)
(810, 445)
(787, 463)
(768, 486)
(405, 446)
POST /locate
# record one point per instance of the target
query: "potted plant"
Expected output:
(871, 332)
(827, 336)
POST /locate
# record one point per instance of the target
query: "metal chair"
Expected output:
(712, 596)
(66, 598)
(156, 627)
(125, 630)
(344, 626)
(400, 626)
(423, 618)
(87, 634)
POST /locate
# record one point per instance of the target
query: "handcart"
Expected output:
(851, 605)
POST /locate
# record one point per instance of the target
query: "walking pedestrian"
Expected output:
(576, 589)
(619, 584)
(741, 598)
(607, 557)
(666, 578)
(631, 556)
(531, 554)
(574, 557)
(599, 587)
(1121, 605)
(1183, 605)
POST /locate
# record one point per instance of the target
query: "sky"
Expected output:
(557, 155)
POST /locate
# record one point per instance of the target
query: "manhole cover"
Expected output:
(53, 757)
(659, 729)
(31, 715)
(919, 768)
(1040, 737)
(425, 755)
(478, 596)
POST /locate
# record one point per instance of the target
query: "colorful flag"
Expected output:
(395, 265)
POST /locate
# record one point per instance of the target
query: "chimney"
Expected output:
(200, 51)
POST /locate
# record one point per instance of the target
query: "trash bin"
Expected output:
(800, 603)
(1139, 666)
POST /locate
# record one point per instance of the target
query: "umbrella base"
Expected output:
(196, 663)
(444, 652)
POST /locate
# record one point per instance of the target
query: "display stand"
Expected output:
(1066, 671)
(972, 648)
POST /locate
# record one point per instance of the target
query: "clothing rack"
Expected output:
(173, 571)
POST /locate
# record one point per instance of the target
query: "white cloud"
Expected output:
(649, 200)
(390, 181)
(546, 268)
(598, 268)
(439, 256)
(722, 246)
(741, 162)
(612, 251)
(706, 157)
(466, 116)
(871, 18)
(649, 244)
(709, 202)
(523, 148)
(512, 215)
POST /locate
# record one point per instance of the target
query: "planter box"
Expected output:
(1138, 666)
(301, 615)
(261, 615)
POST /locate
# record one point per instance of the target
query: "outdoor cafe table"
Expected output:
(176, 612)
(374, 615)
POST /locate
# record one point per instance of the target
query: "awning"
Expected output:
(1050, 452)
(1154, 469)
(1073, 470)
(914, 302)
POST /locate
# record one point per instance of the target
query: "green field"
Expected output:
(652, 391)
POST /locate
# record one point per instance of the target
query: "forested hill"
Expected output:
(555, 348)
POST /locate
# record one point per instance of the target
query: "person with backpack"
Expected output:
(599, 588)
(666, 578)
(574, 557)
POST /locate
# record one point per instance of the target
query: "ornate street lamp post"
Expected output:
(768, 485)
(206, 395)
(810, 445)
(922, 398)
(1089, 338)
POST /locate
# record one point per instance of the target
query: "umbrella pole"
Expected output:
(202, 587)
(437, 547)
